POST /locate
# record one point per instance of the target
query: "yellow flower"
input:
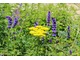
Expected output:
(32, 32)
(38, 31)
(45, 28)
(41, 35)
(39, 26)
(31, 28)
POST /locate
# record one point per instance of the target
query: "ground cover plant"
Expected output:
(39, 30)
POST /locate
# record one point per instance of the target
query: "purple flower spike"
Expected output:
(15, 22)
(35, 24)
(54, 27)
(54, 30)
(9, 21)
(54, 34)
(48, 18)
(9, 18)
(70, 52)
(68, 32)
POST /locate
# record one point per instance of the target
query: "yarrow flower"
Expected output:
(9, 21)
(54, 26)
(48, 18)
(68, 32)
(38, 31)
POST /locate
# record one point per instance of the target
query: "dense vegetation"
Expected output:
(15, 37)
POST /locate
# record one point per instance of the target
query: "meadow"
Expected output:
(39, 29)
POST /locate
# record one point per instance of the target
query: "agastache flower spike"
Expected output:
(68, 32)
(54, 26)
(48, 18)
(9, 21)
(15, 22)
(70, 52)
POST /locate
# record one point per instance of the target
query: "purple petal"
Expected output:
(54, 20)
(9, 18)
(54, 30)
(54, 34)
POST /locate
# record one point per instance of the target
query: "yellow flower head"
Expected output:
(38, 31)
(33, 28)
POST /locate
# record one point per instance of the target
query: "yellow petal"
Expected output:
(45, 28)
(38, 26)
(31, 28)
(32, 32)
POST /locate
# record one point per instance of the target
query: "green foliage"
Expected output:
(17, 41)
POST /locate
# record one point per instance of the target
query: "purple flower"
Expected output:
(54, 34)
(48, 18)
(35, 24)
(70, 52)
(68, 32)
(9, 21)
(54, 26)
(15, 22)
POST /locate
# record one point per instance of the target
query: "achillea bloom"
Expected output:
(15, 22)
(48, 18)
(54, 26)
(68, 32)
(38, 31)
(9, 21)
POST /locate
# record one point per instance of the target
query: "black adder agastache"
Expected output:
(54, 27)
